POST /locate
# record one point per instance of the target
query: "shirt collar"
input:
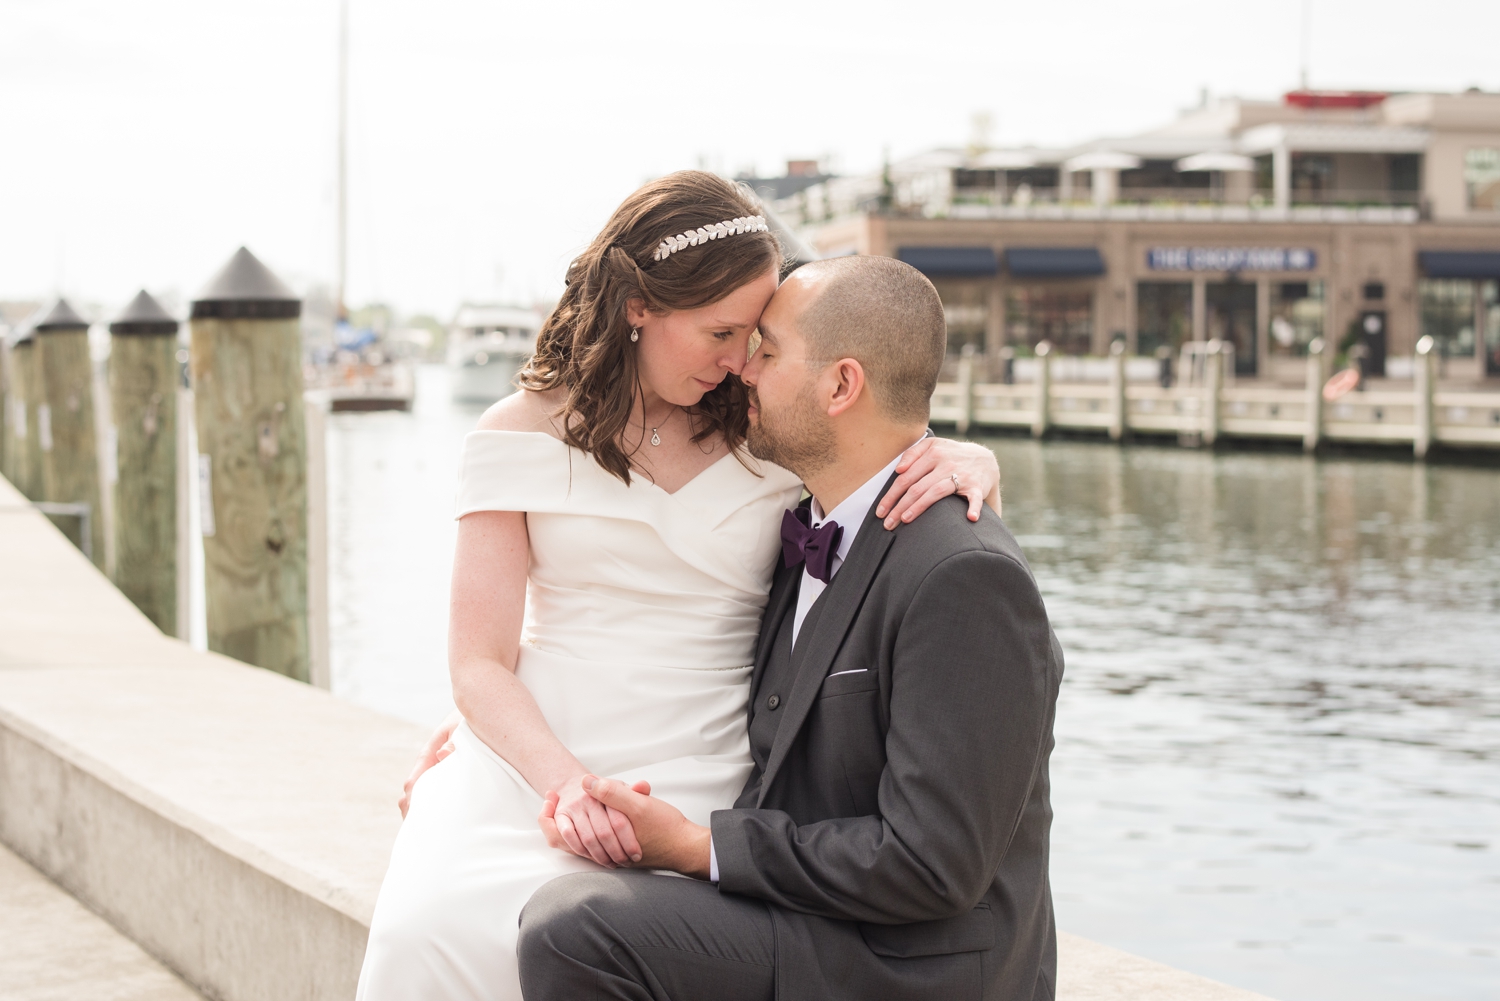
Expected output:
(851, 511)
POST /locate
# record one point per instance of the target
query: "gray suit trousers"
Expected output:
(638, 936)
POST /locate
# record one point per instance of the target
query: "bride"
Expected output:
(615, 550)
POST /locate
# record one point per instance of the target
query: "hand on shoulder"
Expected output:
(525, 410)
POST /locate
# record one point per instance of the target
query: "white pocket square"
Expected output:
(860, 670)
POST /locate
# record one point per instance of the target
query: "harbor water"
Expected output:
(1278, 740)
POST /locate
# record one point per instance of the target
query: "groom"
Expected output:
(892, 839)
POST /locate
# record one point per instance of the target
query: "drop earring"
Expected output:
(635, 335)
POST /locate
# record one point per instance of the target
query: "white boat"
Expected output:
(487, 345)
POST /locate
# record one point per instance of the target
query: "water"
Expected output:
(392, 479)
(1279, 735)
(1278, 757)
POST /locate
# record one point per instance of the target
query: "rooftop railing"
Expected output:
(1350, 197)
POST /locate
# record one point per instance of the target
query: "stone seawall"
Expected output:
(234, 823)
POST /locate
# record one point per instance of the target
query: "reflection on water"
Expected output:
(1280, 727)
(1279, 733)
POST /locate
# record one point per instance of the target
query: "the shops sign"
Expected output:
(1231, 259)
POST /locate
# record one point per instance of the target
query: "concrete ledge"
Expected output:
(234, 823)
(233, 919)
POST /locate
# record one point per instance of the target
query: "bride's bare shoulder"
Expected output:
(525, 410)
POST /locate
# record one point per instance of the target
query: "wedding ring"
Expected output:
(954, 478)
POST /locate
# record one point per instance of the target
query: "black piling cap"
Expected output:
(60, 317)
(23, 334)
(246, 289)
(144, 315)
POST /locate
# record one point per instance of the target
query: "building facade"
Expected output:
(1361, 218)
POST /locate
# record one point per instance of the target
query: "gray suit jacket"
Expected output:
(900, 824)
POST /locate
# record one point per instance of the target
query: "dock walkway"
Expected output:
(232, 823)
(56, 950)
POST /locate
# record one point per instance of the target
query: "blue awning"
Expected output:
(951, 262)
(1053, 262)
(1460, 263)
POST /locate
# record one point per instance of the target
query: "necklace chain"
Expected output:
(656, 438)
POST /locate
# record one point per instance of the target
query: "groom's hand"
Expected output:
(668, 840)
(588, 828)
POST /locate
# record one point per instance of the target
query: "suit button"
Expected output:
(773, 702)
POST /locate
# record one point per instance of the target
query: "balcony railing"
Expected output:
(1351, 197)
(989, 196)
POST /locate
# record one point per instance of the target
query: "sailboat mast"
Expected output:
(343, 165)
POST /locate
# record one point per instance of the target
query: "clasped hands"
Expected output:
(648, 832)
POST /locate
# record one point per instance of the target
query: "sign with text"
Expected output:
(1231, 259)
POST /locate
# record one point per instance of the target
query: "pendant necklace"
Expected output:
(656, 438)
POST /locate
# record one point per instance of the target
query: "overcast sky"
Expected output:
(142, 141)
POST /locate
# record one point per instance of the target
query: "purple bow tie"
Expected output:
(817, 546)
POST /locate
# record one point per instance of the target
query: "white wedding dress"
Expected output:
(642, 611)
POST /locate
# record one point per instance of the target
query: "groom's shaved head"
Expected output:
(887, 316)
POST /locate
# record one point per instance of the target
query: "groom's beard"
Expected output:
(798, 438)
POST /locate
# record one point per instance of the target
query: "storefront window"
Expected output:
(1163, 315)
(1482, 178)
(1296, 316)
(1064, 316)
(1448, 314)
(1231, 318)
(966, 308)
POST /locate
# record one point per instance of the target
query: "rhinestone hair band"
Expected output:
(729, 227)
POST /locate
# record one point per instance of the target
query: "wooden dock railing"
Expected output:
(1212, 410)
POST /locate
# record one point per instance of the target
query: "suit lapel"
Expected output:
(823, 633)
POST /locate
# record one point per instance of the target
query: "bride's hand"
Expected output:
(926, 477)
(587, 827)
(438, 747)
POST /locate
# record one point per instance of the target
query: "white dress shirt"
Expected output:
(849, 513)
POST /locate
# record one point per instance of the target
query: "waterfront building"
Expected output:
(1359, 217)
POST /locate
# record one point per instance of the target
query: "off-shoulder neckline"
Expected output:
(634, 473)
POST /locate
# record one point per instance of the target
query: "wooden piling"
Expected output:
(143, 383)
(65, 422)
(247, 378)
(1314, 396)
(5, 406)
(20, 429)
(320, 669)
(1117, 390)
(187, 483)
(966, 389)
(1213, 393)
(1042, 421)
(1424, 381)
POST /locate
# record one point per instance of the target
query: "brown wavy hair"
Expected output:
(584, 346)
